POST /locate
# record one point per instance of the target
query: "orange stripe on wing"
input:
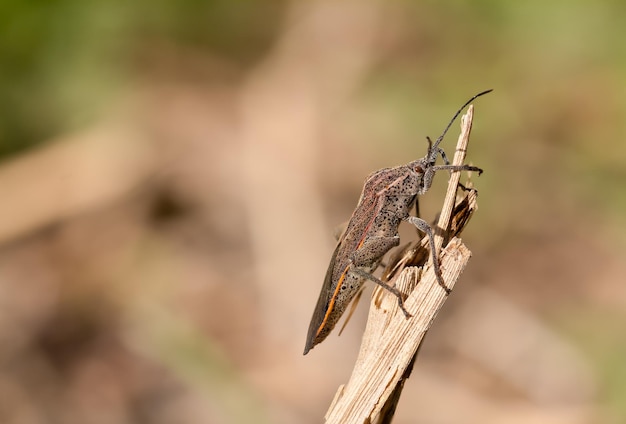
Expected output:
(377, 208)
(331, 304)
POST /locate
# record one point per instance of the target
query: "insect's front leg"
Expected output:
(457, 168)
(439, 150)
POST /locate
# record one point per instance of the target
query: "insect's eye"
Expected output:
(419, 169)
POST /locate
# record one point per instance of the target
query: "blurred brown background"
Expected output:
(172, 173)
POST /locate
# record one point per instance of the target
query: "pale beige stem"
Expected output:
(453, 183)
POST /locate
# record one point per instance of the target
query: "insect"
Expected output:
(386, 200)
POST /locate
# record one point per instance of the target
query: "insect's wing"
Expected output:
(329, 309)
(316, 331)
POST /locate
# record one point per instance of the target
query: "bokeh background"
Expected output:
(171, 174)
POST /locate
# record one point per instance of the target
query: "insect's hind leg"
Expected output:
(366, 275)
(373, 250)
(425, 227)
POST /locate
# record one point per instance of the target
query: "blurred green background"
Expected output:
(171, 173)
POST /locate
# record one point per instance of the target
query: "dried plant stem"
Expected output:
(459, 158)
(391, 341)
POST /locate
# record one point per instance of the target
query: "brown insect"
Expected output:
(386, 200)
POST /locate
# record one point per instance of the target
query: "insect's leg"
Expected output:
(364, 274)
(426, 228)
(443, 156)
(373, 250)
(457, 168)
(439, 150)
(465, 188)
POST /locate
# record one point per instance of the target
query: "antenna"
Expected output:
(435, 145)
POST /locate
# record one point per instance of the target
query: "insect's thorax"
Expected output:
(394, 191)
(395, 208)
